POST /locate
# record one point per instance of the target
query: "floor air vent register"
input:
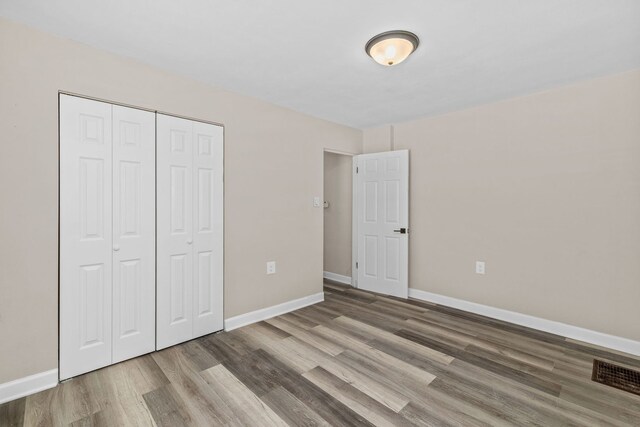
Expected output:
(616, 376)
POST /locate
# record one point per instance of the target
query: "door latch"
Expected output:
(401, 231)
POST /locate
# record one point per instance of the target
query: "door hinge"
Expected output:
(356, 169)
(356, 264)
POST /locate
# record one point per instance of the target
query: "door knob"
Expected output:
(116, 248)
(189, 241)
(401, 231)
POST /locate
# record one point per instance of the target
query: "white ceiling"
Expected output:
(309, 55)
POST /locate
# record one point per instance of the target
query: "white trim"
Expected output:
(337, 277)
(569, 331)
(269, 312)
(28, 385)
(334, 151)
(354, 222)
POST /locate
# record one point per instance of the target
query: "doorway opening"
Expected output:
(338, 207)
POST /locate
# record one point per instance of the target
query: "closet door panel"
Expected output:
(85, 235)
(208, 228)
(133, 232)
(174, 230)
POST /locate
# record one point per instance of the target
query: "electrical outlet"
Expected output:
(271, 267)
(479, 267)
(316, 202)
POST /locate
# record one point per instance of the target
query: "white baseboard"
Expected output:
(28, 385)
(269, 312)
(337, 277)
(574, 332)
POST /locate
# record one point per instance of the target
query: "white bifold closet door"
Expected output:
(107, 234)
(190, 226)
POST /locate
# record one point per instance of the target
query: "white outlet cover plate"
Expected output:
(271, 267)
(480, 268)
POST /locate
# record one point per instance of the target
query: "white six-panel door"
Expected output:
(189, 232)
(208, 224)
(175, 230)
(382, 221)
(134, 230)
(85, 235)
(111, 306)
(107, 234)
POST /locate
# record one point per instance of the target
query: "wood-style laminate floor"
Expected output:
(355, 359)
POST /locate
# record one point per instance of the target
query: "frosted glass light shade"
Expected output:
(392, 47)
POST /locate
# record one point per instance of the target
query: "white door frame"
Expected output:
(354, 223)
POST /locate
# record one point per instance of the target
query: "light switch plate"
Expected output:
(271, 267)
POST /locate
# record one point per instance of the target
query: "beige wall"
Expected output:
(546, 190)
(273, 169)
(377, 139)
(337, 217)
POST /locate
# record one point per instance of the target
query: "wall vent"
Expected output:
(616, 376)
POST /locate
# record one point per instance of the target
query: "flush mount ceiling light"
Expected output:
(392, 47)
